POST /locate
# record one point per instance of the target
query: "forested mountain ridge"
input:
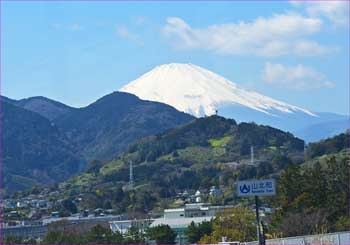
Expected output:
(216, 131)
(106, 127)
(33, 149)
(202, 153)
(45, 141)
(46, 107)
(329, 146)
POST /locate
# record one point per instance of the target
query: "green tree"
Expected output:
(102, 235)
(313, 197)
(237, 224)
(107, 205)
(13, 240)
(281, 161)
(134, 236)
(162, 234)
(290, 187)
(94, 166)
(56, 237)
(192, 233)
(118, 194)
(69, 206)
(195, 232)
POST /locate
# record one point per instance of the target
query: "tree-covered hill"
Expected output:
(233, 139)
(33, 150)
(329, 146)
(205, 152)
(106, 127)
(311, 192)
(44, 141)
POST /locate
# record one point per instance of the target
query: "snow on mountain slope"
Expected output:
(200, 92)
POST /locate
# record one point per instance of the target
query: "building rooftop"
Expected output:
(174, 210)
(180, 222)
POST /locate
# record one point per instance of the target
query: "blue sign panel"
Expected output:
(265, 187)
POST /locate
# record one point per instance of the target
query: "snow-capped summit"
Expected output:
(200, 92)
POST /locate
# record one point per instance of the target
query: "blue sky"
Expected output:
(76, 52)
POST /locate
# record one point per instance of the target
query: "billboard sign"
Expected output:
(248, 188)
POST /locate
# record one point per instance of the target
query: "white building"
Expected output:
(193, 210)
(177, 218)
(180, 218)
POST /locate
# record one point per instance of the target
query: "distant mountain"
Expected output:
(7, 100)
(200, 92)
(33, 149)
(45, 141)
(106, 127)
(327, 125)
(48, 108)
(310, 129)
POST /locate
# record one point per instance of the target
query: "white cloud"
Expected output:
(336, 12)
(281, 34)
(311, 48)
(297, 77)
(123, 32)
(75, 27)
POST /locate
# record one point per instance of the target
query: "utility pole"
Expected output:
(263, 239)
(258, 231)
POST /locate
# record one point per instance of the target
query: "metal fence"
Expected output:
(338, 238)
(37, 231)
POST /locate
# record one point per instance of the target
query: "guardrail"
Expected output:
(337, 238)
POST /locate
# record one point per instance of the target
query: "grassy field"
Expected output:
(221, 142)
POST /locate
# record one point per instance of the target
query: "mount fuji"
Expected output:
(200, 92)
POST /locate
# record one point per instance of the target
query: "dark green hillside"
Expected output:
(314, 195)
(197, 133)
(33, 150)
(215, 132)
(107, 126)
(205, 152)
(329, 146)
(45, 141)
